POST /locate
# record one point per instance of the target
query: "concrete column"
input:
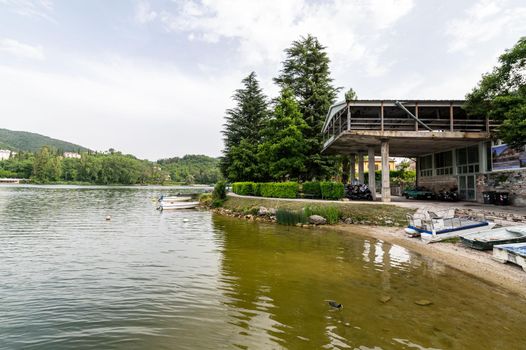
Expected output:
(371, 166)
(361, 177)
(353, 167)
(386, 187)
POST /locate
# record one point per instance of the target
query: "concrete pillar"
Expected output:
(386, 187)
(353, 167)
(371, 166)
(361, 177)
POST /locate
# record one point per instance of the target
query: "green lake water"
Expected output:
(69, 279)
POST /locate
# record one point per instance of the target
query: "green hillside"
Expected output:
(28, 141)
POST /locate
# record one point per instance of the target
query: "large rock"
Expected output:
(317, 220)
(263, 211)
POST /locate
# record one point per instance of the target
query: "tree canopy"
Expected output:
(501, 95)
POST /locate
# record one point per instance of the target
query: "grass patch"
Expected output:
(331, 213)
(290, 217)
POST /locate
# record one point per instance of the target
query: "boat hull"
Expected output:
(514, 253)
(485, 240)
(179, 205)
(430, 237)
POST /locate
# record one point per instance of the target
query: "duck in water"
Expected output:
(334, 304)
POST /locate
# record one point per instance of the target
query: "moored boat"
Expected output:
(175, 199)
(486, 239)
(439, 226)
(178, 205)
(514, 253)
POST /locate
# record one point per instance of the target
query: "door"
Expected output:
(466, 187)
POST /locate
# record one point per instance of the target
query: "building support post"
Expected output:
(361, 177)
(386, 187)
(353, 167)
(451, 118)
(371, 166)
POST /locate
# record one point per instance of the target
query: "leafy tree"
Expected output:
(284, 147)
(243, 125)
(306, 72)
(204, 169)
(47, 166)
(501, 95)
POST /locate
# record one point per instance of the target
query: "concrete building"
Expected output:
(71, 155)
(5, 154)
(452, 149)
(377, 164)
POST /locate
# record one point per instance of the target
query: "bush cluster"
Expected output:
(290, 217)
(313, 189)
(332, 190)
(244, 188)
(331, 213)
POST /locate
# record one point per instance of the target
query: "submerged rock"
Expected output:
(317, 220)
(423, 302)
(384, 299)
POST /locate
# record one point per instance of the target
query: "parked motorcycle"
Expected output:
(358, 192)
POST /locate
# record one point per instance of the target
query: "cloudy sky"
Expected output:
(154, 78)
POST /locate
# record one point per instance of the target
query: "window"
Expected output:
(444, 163)
(426, 166)
(468, 160)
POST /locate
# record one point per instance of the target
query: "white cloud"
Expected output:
(18, 49)
(264, 28)
(485, 21)
(144, 13)
(31, 8)
(146, 109)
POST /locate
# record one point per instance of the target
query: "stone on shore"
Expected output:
(317, 220)
(263, 211)
(423, 302)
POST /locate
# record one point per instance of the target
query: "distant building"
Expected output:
(71, 155)
(5, 154)
(378, 164)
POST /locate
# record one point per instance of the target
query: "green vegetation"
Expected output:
(282, 143)
(279, 189)
(501, 95)
(332, 190)
(311, 189)
(244, 188)
(330, 212)
(291, 217)
(31, 142)
(373, 214)
(192, 169)
(48, 165)
(219, 194)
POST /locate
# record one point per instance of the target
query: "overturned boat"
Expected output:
(435, 226)
(486, 239)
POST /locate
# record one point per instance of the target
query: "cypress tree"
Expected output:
(306, 72)
(242, 132)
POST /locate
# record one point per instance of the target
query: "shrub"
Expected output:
(312, 189)
(279, 189)
(243, 188)
(219, 191)
(331, 190)
(205, 199)
(331, 213)
(257, 189)
(290, 217)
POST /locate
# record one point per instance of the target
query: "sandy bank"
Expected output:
(474, 262)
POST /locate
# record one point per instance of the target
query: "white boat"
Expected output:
(178, 205)
(514, 253)
(439, 226)
(486, 239)
(175, 199)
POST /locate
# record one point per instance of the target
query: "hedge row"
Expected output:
(314, 189)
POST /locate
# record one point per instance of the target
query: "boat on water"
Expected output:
(177, 205)
(514, 253)
(441, 225)
(486, 239)
(175, 199)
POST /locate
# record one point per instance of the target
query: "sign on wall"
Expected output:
(505, 158)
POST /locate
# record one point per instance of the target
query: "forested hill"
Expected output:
(31, 142)
(192, 168)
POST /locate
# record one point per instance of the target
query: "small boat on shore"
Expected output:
(486, 239)
(514, 253)
(439, 226)
(178, 205)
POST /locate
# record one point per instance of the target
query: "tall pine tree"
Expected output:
(284, 148)
(306, 72)
(242, 132)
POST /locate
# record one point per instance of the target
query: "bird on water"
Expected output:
(334, 304)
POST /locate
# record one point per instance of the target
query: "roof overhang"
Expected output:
(402, 143)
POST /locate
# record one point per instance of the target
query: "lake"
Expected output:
(194, 280)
